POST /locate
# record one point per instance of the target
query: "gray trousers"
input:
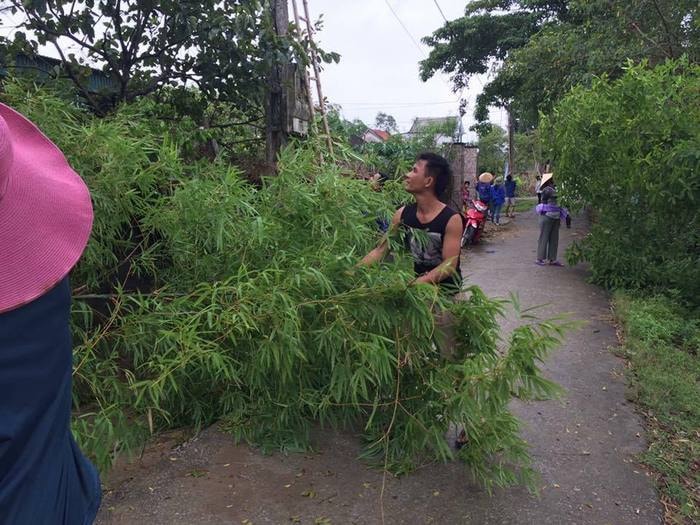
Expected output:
(549, 238)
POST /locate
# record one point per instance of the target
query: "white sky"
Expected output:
(378, 69)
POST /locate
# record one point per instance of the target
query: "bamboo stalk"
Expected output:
(307, 82)
(317, 77)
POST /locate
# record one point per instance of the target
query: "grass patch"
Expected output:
(661, 341)
(525, 204)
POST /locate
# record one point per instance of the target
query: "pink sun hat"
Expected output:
(45, 212)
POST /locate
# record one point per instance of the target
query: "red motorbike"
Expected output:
(476, 219)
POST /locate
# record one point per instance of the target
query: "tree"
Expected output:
(342, 128)
(492, 142)
(223, 49)
(486, 34)
(542, 48)
(386, 122)
(630, 150)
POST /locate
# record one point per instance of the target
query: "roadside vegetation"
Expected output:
(629, 152)
(661, 340)
(608, 92)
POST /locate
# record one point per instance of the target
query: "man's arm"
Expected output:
(450, 253)
(378, 253)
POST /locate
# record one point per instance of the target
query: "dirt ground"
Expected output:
(583, 446)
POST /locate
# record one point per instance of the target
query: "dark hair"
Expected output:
(438, 168)
(509, 177)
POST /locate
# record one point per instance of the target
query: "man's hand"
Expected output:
(378, 253)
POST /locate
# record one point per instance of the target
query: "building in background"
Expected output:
(375, 135)
(45, 69)
(447, 130)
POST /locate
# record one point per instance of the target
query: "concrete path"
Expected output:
(583, 446)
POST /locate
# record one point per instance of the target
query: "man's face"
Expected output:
(417, 180)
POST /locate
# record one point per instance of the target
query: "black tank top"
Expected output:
(427, 250)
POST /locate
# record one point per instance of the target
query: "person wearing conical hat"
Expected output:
(483, 187)
(538, 191)
(45, 222)
(550, 216)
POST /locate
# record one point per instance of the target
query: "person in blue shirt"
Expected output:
(510, 187)
(498, 197)
(483, 187)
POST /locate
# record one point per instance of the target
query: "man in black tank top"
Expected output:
(436, 252)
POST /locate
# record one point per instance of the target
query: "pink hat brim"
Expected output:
(45, 216)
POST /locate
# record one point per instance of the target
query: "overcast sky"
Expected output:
(378, 69)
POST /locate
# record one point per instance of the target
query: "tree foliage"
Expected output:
(630, 150)
(386, 122)
(341, 128)
(541, 49)
(492, 143)
(248, 309)
(396, 156)
(223, 49)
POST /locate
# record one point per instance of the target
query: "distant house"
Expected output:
(447, 130)
(375, 135)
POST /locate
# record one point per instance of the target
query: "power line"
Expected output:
(404, 27)
(440, 9)
(392, 105)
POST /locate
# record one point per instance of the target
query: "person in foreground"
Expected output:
(436, 259)
(550, 216)
(45, 222)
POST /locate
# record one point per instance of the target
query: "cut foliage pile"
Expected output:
(203, 298)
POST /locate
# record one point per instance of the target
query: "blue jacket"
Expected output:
(483, 189)
(498, 194)
(510, 188)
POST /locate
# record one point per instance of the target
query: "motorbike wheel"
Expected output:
(468, 236)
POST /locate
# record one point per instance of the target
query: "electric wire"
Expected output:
(404, 27)
(440, 9)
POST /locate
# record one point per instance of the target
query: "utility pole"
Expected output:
(510, 141)
(276, 103)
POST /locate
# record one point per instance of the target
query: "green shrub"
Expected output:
(630, 150)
